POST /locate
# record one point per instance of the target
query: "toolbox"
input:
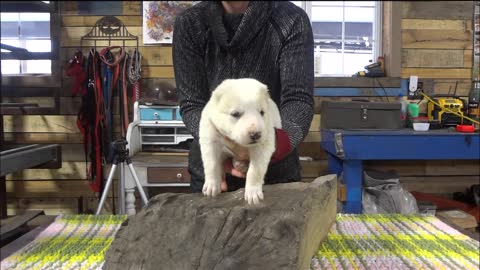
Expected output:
(360, 114)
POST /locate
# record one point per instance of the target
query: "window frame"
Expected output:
(28, 85)
(377, 35)
(32, 79)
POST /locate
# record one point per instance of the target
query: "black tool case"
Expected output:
(360, 115)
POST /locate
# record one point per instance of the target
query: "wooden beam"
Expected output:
(27, 110)
(151, 55)
(54, 188)
(75, 20)
(438, 24)
(439, 184)
(313, 150)
(437, 58)
(132, 7)
(158, 72)
(445, 86)
(315, 124)
(45, 123)
(438, 73)
(313, 136)
(391, 35)
(13, 91)
(69, 170)
(437, 10)
(314, 168)
(427, 167)
(51, 206)
(467, 59)
(42, 137)
(341, 82)
(436, 39)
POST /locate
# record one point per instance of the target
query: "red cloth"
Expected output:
(283, 147)
(75, 70)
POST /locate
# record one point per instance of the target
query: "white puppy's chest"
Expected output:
(238, 121)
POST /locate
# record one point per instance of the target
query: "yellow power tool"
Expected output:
(444, 117)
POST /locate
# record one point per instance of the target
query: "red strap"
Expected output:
(96, 184)
(283, 147)
(75, 69)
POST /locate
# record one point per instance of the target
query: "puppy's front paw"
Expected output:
(253, 194)
(211, 188)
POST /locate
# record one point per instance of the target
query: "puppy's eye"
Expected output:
(236, 114)
(262, 112)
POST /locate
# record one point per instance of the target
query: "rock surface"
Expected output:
(190, 231)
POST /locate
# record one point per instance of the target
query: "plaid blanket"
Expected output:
(354, 242)
(395, 242)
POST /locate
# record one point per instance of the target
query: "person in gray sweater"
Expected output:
(271, 42)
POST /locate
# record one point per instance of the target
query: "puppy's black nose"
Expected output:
(255, 135)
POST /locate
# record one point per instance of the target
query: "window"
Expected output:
(31, 31)
(346, 34)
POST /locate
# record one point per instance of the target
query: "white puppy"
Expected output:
(242, 111)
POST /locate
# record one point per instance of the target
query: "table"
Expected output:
(347, 149)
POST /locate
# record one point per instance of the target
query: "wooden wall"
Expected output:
(436, 44)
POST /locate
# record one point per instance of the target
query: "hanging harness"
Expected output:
(98, 79)
(89, 121)
(116, 81)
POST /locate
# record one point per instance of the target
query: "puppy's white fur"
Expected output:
(241, 110)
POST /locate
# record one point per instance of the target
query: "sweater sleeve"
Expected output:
(189, 70)
(297, 78)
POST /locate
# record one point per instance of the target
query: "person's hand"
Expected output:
(230, 169)
(241, 162)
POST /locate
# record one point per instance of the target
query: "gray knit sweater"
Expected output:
(273, 43)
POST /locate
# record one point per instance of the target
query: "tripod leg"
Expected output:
(139, 186)
(107, 187)
(121, 190)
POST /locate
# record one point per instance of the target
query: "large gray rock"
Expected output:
(190, 231)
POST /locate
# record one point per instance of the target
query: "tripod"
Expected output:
(121, 155)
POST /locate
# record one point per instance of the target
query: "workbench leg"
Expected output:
(352, 178)
(334, 164)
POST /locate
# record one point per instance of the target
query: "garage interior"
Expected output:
(393, 147)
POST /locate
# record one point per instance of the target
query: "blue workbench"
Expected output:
(347, 149)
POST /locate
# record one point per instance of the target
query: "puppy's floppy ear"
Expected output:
(218, 92)
(264, 88)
